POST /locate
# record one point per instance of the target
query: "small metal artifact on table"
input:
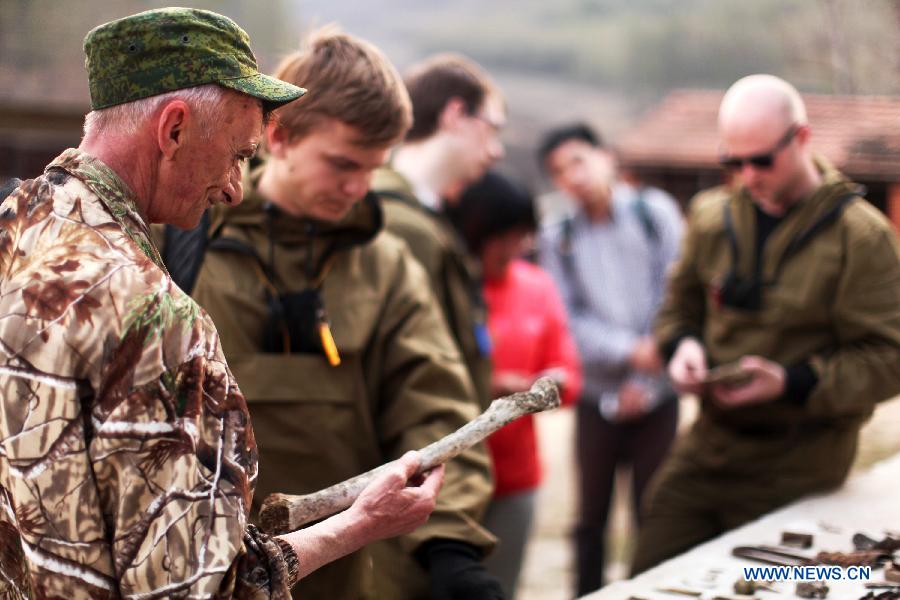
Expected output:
(795, 539)
(743, 587)
(812, 589)
(863, 558)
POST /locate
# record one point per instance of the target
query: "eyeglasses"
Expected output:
(760, 161)
(493, 125)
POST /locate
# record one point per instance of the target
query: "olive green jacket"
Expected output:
(400, 385)
(454, 278)
(835, 305)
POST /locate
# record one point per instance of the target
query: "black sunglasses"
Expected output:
(760, 161)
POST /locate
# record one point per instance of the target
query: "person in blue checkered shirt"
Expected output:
(609, 260)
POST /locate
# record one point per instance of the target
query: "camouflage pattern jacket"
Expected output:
(127, 459)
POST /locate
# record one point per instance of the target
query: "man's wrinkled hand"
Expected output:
(389, 507)
(768, 380)
(687, 369)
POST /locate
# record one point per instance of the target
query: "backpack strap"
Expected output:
(230, 244)
(832, 215)
(731, 234)
(391, 194)
(567, 257)
(643, 213)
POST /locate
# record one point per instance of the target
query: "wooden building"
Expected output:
(675, 145)
(32, 135)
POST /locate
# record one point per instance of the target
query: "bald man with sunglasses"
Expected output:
(791, 279)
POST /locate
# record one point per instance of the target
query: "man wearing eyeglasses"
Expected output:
(458, 113)
(793, 281)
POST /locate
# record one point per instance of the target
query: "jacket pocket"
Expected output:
(309, 420)
(292, 378)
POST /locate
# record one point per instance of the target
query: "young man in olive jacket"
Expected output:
(457, 116)
(332, 327)
(795, 279)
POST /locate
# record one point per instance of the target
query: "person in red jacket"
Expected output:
(530, 336)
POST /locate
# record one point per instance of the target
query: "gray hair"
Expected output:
(126, 119)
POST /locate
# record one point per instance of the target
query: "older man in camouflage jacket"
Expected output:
(127, 459)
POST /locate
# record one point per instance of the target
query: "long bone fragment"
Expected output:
(283, 512)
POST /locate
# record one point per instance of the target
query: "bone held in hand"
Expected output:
(282, 512)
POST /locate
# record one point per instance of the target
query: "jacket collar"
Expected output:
(391, 184)
(834, 187)
(113, 193)
(259, 222)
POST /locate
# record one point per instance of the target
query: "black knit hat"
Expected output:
(493, 205)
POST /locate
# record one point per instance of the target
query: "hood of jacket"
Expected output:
(802, 217)
(261, 224)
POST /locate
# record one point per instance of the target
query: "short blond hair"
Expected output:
(349, 80)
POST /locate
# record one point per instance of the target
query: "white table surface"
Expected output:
(868, 503)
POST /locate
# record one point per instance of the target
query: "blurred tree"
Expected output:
(40, 40)
(649, 46)
(636, 48)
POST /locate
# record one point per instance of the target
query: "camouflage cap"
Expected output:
(168, 49)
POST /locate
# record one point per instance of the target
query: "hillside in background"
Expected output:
(605, 60)
(647, 46)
